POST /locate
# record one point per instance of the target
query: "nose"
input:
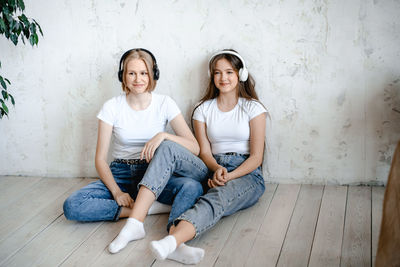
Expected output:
(223, 76)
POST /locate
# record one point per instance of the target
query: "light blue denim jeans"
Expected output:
(221, 201)
(174, 171)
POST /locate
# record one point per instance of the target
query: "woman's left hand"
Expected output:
(150, 147)
(220, 178)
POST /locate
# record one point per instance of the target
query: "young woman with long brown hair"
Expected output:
(229, 125)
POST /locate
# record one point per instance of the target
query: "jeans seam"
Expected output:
(117, 214)
(183, 218)
(240, 194)
(151, 188)
(186, 159)
(218, 216)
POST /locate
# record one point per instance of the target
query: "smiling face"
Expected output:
(225, 77)
(136, 76)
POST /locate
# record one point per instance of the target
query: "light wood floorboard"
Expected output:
(291, 225)
(377, 208)
(13, 187)
(327, 245)
(356, 248)
(27, 232)
(270, 238)
(299, 238)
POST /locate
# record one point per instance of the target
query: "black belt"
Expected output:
(234, 154)
(131, 161)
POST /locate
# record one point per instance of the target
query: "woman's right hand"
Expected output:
(123, 199)
(219, 177)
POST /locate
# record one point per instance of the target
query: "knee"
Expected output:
(192, 188)
(167, 147)
(68, 208)
(71, 208)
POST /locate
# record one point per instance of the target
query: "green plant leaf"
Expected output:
(21, 5)
(9, 17)
(5, 94)
(12, 99)
(32, 40)
(2, 25)
(26, 32)
(5, 11)
(5, 107)
(25, 20)
(3, 84)
(7, 80)
(12, 22)
(32, 28)
(36, 38)
(14, 39)
(11, 4)
(16, 26)
(40, 28)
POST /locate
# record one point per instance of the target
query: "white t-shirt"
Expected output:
(229, 131)
(133, 128)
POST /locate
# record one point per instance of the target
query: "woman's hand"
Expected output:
(220, 177)
(123, 199)
(150, 147)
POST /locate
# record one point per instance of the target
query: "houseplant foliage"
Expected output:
(14, 25)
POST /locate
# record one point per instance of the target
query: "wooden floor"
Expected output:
(291, 225)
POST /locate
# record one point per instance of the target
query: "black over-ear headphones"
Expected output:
(156, 71)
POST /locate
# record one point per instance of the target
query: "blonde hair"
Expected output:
(148, 61)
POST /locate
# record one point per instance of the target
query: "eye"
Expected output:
(230, 72)
(143, 73)
(216, 73)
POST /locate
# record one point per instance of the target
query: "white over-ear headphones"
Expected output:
(243, 72)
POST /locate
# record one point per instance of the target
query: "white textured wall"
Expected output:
(328, 71)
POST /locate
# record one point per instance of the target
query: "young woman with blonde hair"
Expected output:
(142, 152)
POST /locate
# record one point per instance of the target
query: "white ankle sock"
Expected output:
(157, 208)
(162, 248)
(187, 255)
(133, 230)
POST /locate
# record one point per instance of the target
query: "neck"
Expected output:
(227, 101)
(228, 98)
(138, 101)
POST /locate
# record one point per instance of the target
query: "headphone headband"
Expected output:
(243, 72)
(156, 71)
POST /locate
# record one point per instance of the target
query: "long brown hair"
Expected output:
(246, 88)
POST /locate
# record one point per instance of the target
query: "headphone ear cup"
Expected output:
(243, 74)
(156, 72)
(120, 74)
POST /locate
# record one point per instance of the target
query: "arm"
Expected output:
(205, 146)
(257, 135)
(207, 157)
(103, 144)
(183, 136)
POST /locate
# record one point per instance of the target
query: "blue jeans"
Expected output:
(221, 201)
(174, 163)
